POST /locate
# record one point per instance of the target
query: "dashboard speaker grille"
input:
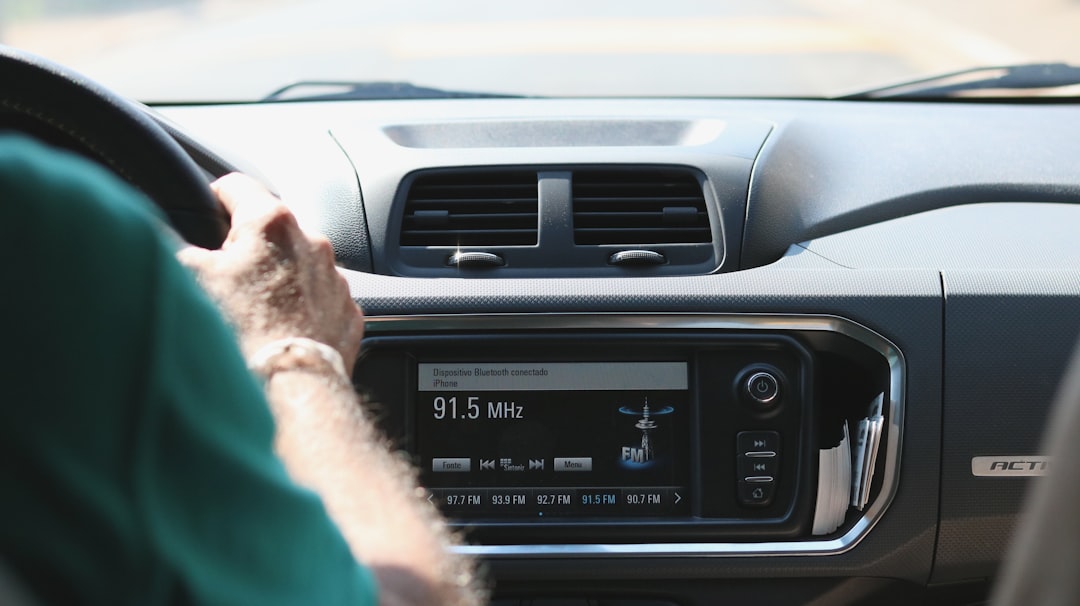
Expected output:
(639, 207)
(472, 209)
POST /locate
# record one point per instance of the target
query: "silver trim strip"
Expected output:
(429, 324)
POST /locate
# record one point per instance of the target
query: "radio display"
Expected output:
(554, 439)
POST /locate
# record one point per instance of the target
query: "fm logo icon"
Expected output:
(642, 454)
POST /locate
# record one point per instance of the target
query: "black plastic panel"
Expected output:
(712, 592)
(1008, 338)
(973, 236)
(904, 306)
(855, 164)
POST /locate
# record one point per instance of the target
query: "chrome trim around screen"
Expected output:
(433, 324)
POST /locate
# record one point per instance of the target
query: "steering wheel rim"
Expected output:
(50, 100)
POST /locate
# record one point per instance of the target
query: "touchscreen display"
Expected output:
(554, 439)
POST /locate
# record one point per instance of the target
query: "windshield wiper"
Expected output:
(332, 90)
(1001, 78)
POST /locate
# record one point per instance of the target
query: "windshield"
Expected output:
(242, 50)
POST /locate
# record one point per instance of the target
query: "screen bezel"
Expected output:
(388, 370)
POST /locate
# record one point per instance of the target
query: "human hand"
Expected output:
(271, 279)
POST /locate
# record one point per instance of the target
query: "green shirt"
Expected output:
(136, 462)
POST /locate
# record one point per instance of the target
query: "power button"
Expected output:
(762, 388)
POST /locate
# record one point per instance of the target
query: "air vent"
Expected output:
(472, 208)
(639, 207)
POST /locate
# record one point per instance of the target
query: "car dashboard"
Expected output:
(661, 351)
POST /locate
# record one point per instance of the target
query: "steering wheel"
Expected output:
(68, 110)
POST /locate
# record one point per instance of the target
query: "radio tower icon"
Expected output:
(646, 424)
(643, 453)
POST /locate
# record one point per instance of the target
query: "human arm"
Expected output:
(275, 282)
(138, 463)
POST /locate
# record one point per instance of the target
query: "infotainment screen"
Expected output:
(555, 439)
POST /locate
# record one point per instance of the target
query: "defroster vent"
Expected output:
(642, 206)
(471, 208)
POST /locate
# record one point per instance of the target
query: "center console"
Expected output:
(634, 433)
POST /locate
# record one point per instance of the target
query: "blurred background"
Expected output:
(222, 50)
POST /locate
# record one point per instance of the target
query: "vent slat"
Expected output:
(462, 222)
(480, 216)
(639, 207)
(472, 208)
(655, 220)
(630, 236)
(676, 232)
(643, 197)
(477, 202)
(456, 191)
(466, 237)
(466, 232)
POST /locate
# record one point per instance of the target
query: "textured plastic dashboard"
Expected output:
(820, 206)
